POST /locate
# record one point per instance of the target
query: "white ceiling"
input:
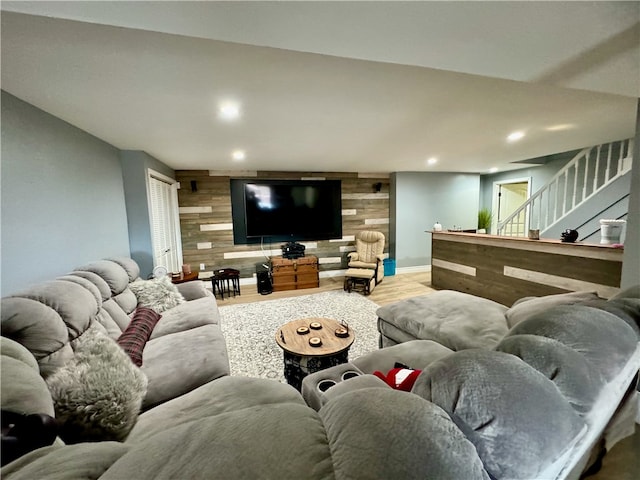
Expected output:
(331, 86)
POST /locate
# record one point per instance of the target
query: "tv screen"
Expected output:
(285, 210)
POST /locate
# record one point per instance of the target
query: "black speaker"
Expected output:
(263, 278)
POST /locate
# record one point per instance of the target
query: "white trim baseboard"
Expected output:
(413, 269)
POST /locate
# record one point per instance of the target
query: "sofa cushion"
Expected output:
(193, 290)
(268, 441)
(158, 294)
(129, 265)
(111, 327)
(117, 314)
(349, 438)
(429, 445)
(390, 335)
(23, 390)
(127, 301)
(454, 319)
(116, 277)
(564, 366)
(529, 306)
(364, 265)
(188, 315)
(627, 309)
(84, 460)
(97, 395)
(46, 317)
(134, 338)
(83, 282)
(225, 395)
(97, 280)
(605, 340)
(177, 363)
(505, 408)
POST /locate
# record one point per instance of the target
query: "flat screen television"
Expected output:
(285, 210)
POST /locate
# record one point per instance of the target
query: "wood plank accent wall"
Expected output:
(505, 269)
(207, 225)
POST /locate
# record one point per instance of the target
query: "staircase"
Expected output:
(594, 170)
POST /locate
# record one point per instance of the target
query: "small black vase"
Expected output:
(569, 236)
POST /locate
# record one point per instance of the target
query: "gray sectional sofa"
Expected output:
(531, 405)
(186, 348)
(541, 389)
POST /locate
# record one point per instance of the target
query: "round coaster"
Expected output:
(342, 332)
(315, 342)
(315, 325)
(302, 330)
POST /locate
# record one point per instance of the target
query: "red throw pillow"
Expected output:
(135, 336)
(399, 378)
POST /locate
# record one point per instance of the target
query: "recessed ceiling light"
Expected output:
(432, 161)
(229, 111)
(515, 136)
(493, 169)
(238, 155)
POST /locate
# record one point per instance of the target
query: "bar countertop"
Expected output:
(543, 244)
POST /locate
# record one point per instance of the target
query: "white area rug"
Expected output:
(250, 328)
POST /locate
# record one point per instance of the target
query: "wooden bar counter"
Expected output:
(505, 269)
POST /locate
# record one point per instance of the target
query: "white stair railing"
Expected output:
(586, 174)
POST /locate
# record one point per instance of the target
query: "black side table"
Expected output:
(226, 280)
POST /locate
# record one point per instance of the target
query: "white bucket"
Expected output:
(610, 231)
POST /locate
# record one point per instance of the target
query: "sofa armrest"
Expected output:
(353, 256)
(193, 290)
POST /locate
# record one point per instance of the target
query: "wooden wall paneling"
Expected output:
(481, 266)
(593, 270)
(215, 248)
(463, 253)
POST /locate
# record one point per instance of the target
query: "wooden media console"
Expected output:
(292, 274)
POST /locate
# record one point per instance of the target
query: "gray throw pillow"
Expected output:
(98, 394)
(158, 294)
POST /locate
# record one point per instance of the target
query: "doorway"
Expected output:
(508, 196)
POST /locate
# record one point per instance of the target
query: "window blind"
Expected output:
(165, 225)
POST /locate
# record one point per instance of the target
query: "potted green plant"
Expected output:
(484, 220)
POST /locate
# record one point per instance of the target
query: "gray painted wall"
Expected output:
(135, 165)
(421, 199)
(62, 197)
(631, 259)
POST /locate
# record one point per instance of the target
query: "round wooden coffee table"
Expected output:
(312, 344)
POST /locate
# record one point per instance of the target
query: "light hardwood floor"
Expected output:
(621, 463)
(391, 289)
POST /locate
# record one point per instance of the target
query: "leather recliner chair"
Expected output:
(369, 253)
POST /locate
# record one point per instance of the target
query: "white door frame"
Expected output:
(494, 198)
